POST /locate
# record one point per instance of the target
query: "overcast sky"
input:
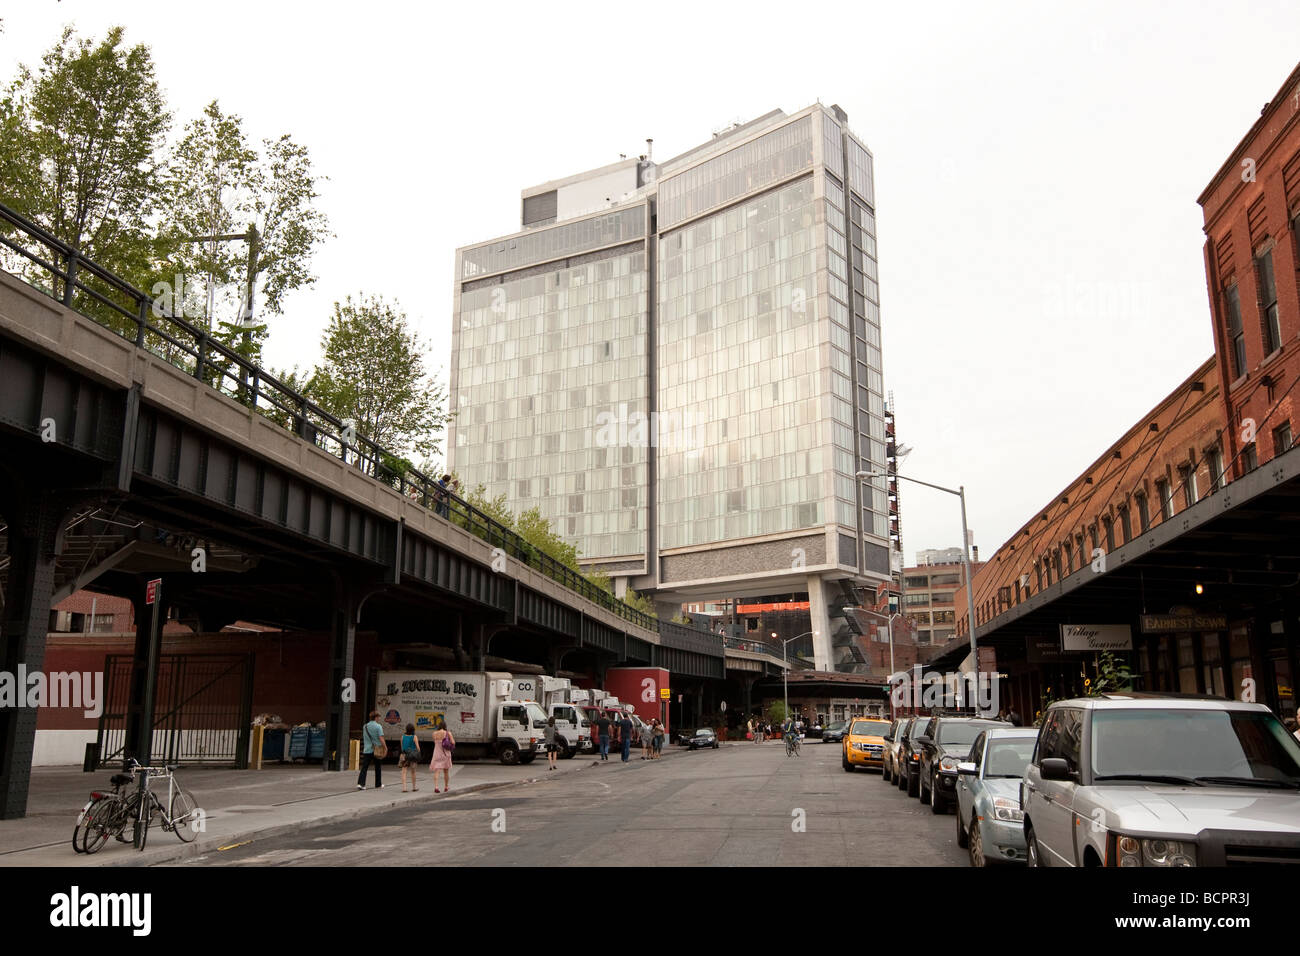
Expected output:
(1037, 168)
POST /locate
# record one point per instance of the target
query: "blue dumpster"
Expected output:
(298, 743)
(273, 745)
(316, 743)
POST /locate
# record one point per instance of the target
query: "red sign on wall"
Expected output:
(638, 687)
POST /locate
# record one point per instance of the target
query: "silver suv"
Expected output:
(1150, 780)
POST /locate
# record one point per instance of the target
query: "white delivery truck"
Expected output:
(555, 696)
(479, 707)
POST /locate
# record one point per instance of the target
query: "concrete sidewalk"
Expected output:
(242, 805)
(238, 805)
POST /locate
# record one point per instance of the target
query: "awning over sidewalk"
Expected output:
(1241, 544)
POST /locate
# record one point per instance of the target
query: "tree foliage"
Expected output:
(373, 374)
(82, 147)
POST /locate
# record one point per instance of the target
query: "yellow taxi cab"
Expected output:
(864, 743)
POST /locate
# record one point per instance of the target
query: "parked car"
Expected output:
(909, 756)
(704, 737)
(834, 733)
(989, 820)
(1157, 780)
(889, 771)
(945, 743)
(864, 744)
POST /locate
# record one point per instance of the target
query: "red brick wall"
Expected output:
(1249, 207)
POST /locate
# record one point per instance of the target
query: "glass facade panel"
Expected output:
(541, 245)
(552, 396)
(718, 181)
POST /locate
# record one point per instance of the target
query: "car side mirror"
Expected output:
(1055, 768)
(968, 768)
(539, 724)
(888, 738)
(924, 739)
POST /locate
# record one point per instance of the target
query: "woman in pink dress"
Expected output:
(443, 742)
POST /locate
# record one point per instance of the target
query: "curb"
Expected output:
(186, 851)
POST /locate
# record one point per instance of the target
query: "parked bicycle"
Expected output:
(96, 797)
(137, 809)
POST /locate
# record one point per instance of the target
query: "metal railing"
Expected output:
(116, 304)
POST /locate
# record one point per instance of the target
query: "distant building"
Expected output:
(929, 594)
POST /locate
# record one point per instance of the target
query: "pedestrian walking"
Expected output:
(372, 737)
(602, 731)
(749, 729)
(410, 758)
(658, 739)
(443, 744)
(647, 740)
(625, 729)
(1013, 717)
(552, 749)
(443, 488)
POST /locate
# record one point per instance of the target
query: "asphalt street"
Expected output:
(741, 805)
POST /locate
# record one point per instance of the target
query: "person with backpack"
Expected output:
(443, 746)
(410, 757)
(372, 750)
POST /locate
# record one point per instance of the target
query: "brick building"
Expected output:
(1252, 268)
(1176, 544)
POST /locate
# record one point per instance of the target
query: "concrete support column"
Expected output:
(34, 539)
(819, 612)
(343, 642)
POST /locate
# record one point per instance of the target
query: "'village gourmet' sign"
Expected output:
(1096, 637)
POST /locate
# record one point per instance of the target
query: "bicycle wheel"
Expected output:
(105, 818)
(81, 822)
(182, 815)
(145, 806)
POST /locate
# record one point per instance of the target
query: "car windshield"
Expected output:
(918, 728)
(1219, 745)
(535, 713)
(1007, 758)
(838, 725)
(869, 728)
(704, 732)
(955, 733)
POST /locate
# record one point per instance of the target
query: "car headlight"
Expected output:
(1008, 810)
(949, 764)
(1155, 852)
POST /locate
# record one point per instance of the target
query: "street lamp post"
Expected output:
(785, 668)
(960, 492)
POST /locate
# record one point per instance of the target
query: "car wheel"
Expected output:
(922, 792)
(715, 745)
(900, 779)
(937, 804)
(976, 845)
(1032, 855)
(913, 785)
(962, 839)
(844, 762)
(885, 774)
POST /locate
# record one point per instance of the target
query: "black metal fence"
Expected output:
(58, 270)
(202, 713)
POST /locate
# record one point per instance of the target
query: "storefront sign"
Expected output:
(1043, 650)
(1096, 637)
(1169, 623)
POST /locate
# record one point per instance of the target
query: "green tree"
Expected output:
(776, 713)
(80, 154)
(257, 220)
(373, 375)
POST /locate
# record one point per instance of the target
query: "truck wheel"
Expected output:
(509, 754)
(569, 753)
